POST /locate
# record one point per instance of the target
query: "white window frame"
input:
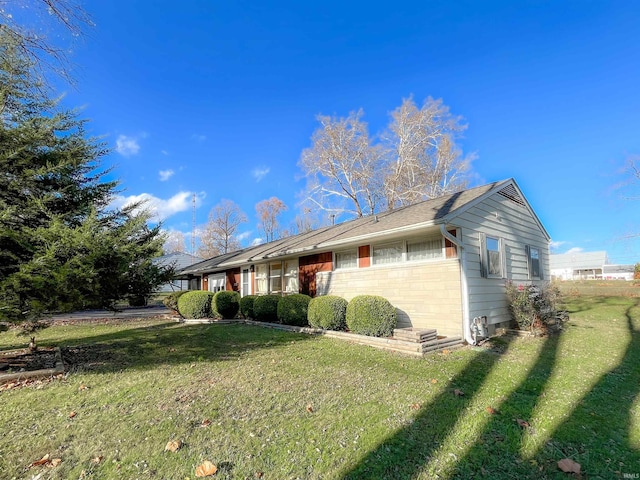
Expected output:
(336, 256)
(290, 280)
(410, 241)
(533, 275)
(485, 256)
(272, 277)
(399, 245)
(262, 275)
(217, 282)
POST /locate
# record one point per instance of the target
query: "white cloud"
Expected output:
(127, 146)
(574, 250)
(165, 174)
(556, 244)
(198, 137)
(164, 152)
(256, 241)
(244, 235)
(159, 208)
(260, 172)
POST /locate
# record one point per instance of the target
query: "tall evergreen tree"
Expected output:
(61, 247)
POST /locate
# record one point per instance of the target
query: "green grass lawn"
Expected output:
(278, 405)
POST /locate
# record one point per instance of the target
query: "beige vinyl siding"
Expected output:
(517, 227)
(426, 294)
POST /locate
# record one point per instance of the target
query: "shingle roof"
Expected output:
(432, 211)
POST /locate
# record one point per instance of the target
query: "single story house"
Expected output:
(441, 263)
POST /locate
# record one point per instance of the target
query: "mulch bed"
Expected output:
(27, 361)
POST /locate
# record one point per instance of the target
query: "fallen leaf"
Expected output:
(72, 414)
(83, 387)
(445, 352)
(523, 423)
(42, 461)
(173, 446)
(309, 408)
(206, 469)
(97, 459)
(569, 466)
(258, 474)
(434, 380)
(55, 462)
(205, 423)
(415, 406)
(172, 349)
(491, 410)
(458, 393)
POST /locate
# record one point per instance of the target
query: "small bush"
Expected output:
(171, 300)
(246, 306)
(535, 308)
(328, 312)
(371, 315)
(195, 304)
(226, 303)
(292, 309)
(138, 301)
(265, 308)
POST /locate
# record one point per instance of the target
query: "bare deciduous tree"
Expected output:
(219, 235)
(268, 212)
(416, 159)
(174, 242)
(343, 167)
(423, 159)
(33, 23)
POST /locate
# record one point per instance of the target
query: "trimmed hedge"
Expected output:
(265, 308)
(328, 312)
(246, 306)
(371, 315)
(195, 304)
(226, 303)
(171, 300)
(292, 309)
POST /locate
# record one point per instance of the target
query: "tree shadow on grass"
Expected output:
(497, 454)
(167, 343)
(404, 454)
(604, 417)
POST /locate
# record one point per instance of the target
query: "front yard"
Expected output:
(260, 403)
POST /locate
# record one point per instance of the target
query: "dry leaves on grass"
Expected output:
(458, 393)
(434, 380)
(569, 466)
(72, 414)
(523, 423)
(97, 459)
(46, 460)
(415, 406)
(309, 408)
(205, 423)
(492, 410)
(173, 446)
(83, 387)
(206, 469)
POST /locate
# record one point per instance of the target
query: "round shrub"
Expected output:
(171, 300)
(292, 309)
(328, 312)
(265, 308)
(195, 304)
(371, 315)
(227, 303)
(246, 306)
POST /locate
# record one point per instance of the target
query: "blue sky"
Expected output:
(220, 98)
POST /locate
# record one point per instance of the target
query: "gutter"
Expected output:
(466, 328)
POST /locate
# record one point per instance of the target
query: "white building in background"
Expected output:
(587, 266)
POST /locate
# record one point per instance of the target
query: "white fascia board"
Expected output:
(371, 236)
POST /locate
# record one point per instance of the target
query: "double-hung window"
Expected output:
(291, 276)
(533, 262)
(275, 277)
(261, 279)
(492, 256)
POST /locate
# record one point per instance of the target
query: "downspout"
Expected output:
(462, 258)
